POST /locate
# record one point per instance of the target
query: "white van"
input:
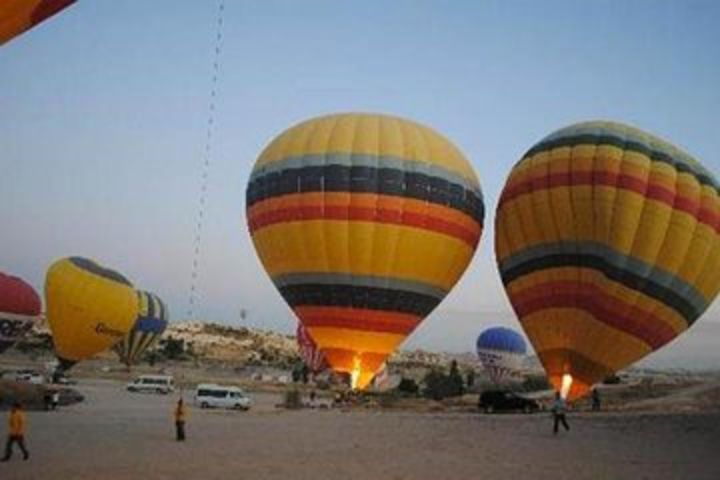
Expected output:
(152, 383)
(209, 395)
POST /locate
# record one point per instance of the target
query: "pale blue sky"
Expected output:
(103, 111)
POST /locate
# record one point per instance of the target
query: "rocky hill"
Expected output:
(212, 341)
(250, 346)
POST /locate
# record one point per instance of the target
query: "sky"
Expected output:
(104, 110)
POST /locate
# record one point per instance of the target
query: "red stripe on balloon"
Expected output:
(380, 321)
(650, 190)
(607, 309)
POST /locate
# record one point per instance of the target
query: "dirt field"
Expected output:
(119, 435)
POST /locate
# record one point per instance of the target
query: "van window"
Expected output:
(212, 393)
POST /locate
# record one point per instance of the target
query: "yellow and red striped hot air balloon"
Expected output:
(607, 243)
(18, 16)
(364, 222)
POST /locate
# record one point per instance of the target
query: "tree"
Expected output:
(457, 387)
(470, 379)
(172, 349)
(408, 386)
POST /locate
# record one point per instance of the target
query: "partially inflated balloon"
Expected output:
(19, 310)
(364, 223)
(607, 243)
(89, 308)
(309, 351)
(501, 351)
(17, 16)
(150, 324)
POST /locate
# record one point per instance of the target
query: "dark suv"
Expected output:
(501, 401)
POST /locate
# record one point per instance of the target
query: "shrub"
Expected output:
(293, 399)
(408, 386)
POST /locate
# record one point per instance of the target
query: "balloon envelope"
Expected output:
(19, 310)
(501, 351)
(17, 16)
(151, 322)
(607, 243)
(89, 308)
(364, 223)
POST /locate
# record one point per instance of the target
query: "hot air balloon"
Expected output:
(89, 308)
(19, 310)
(607, 243)
(150, 324)
(364, 223)
(501, 351)
(18, 16)
(310, 354)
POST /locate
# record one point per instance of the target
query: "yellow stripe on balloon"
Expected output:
(321, 246)
(356, 340)
(369, 134)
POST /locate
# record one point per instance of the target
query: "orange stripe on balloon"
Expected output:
(357, 319)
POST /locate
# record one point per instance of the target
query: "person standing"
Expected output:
(595, 396)
(180, 417)
(558, 410)
(16, 432)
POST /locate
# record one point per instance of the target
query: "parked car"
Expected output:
(220, 396)
(502, 401)
(30, 376)
(62, 379)
(152, 384)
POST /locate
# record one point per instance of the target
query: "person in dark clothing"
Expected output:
(16, 432)
(47, 400)
(595, 396)
(558, 410)
(180, 417)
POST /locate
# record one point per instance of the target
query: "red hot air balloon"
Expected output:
(18, 16)
(19, 310)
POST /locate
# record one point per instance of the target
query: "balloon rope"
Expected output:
(206, 161)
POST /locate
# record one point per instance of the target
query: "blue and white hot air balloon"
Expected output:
(501, 351)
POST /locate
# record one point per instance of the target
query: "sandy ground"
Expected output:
(118, 435)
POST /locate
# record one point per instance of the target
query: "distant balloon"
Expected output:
(89, 308)
(310, 354)
(501, 351)
(151, 322)
(607, 243)
(19, 310)
(18, 16)
(364, 223)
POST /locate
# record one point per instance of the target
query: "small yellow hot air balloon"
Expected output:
(146, 332)
(364, 222)
(89, 308)
(607, 243)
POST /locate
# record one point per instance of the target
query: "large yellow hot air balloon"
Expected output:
(89, 308)
(364, 223)
(607, 243)
(17, 16)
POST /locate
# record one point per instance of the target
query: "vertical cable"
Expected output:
(206, 156)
